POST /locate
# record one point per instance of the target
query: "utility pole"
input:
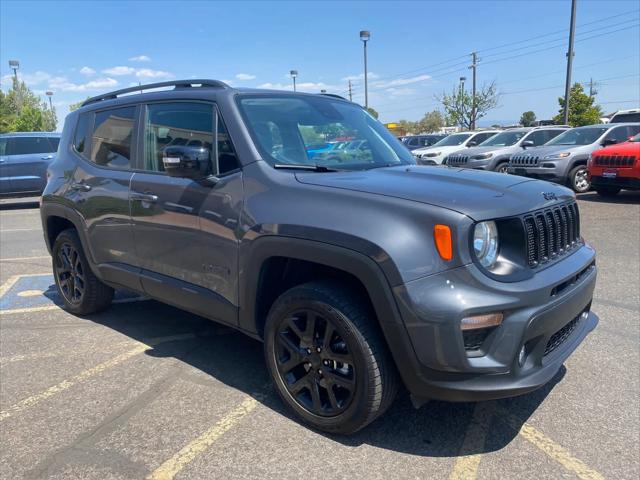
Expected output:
(474, 64)
(592, 88)
(350, 92)
(567, 87)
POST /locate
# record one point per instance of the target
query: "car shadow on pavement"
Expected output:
(438, 429)
(626, 197)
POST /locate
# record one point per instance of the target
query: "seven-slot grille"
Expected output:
(614, 160)
(551, 232)
(457, 159)
(524, 160)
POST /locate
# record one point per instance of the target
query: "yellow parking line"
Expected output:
(82, 376)
(175, 464)
(466, 466)
(552, 449)
(61, 353)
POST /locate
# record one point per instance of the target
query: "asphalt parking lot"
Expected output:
(147, 391)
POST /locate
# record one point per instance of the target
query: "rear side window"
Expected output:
(620, 134)
(481, 137)
(81, 139)
(626, 117)
(30, 145)
(540, 137)
(112, 138)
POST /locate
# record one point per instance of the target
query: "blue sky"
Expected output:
(417, 49)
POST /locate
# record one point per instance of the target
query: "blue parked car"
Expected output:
(24, 159)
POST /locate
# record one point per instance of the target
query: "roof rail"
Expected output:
(332, 95)
(177, 84)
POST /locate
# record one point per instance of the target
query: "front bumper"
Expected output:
(555, 174)
(538, 317)
(624, 182)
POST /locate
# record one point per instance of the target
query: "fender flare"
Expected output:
(48, 210)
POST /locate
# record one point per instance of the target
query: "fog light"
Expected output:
(522, 356)
(481, 321)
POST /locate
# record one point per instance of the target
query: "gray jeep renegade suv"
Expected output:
(358, 275)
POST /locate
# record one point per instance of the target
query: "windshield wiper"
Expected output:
(299, 166)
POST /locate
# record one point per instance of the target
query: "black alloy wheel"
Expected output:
(70, 273)
(315, 363)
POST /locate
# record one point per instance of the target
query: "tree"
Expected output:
(527, 119)
(459, 106)
(373, 113)
(75, 106)
(22, 110)
(582, 110)
(431, 122)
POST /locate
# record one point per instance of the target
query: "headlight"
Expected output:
(485, 243)
(557, 155)
(482, 156)
(433, 154)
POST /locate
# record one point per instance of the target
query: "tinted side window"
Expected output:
(3, 146)
(538, 137)
(632, 131)
(619, 134)
(551, 134)
(481, 137)
(54, 141)
(188, 125)
(29, 145)
(81, 140)
(112, 137)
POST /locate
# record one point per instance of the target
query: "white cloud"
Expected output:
(87, 71)
(140, 58)
(360, 76)
(119, 70)
(148, 73)
(309, 87)
(245, 76)
(401, 81)
(400, 92)
(62, 84)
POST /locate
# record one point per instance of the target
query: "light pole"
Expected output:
(14, 65)
(567, 87)
(294, 74)
(462, 80)
(49, 94)
(365, 35)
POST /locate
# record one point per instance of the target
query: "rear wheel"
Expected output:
(608, 191)
(81, 291)
(327, 358)
(579, 180)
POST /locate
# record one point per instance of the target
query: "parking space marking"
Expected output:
(86, 374)
(11, 281)
(169, 469)
(12, 230)
(23, 259)
(58, 353)
(551, 448)
(466, 466)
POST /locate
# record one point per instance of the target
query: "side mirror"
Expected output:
(527, 143)
(609, 141)
(187, 162)
(472, 143)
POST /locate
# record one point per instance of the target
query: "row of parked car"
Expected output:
(556, 153)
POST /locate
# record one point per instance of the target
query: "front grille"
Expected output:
(551, 232)
(561, 335)
(457, 159)
(614, 160)
(524, 160)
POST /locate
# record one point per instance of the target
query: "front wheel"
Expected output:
(608, 191)
(579, 180)
(502, 168)
(328, 359)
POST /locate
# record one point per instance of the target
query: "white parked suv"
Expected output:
(434, 154)
(625, 116)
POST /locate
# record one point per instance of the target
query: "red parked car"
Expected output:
(616, 167)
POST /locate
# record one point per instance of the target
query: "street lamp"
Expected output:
(294, 74)
(14, 65)
(365, 35)
(462, 80)
(49, 94)
(323, 91)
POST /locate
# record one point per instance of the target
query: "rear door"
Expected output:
(26, 162)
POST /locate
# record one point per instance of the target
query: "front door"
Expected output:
(165, 210)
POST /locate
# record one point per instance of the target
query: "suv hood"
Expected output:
(495, 150)
(478, 194)
(551, 149)
(443, 149)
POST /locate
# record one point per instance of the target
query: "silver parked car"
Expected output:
(564, 159)
(24, 159)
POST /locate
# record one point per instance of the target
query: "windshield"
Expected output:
(504, 139)
(298, 130)
(578, 136)
(453, 140)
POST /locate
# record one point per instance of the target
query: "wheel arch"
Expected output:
(55, 219)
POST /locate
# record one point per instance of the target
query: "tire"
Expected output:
(502, 167)
(578, 180)
(349, 394)
(608, 191)
(82, 293)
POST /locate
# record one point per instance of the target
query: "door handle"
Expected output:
(81, 187)
(143, 197)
